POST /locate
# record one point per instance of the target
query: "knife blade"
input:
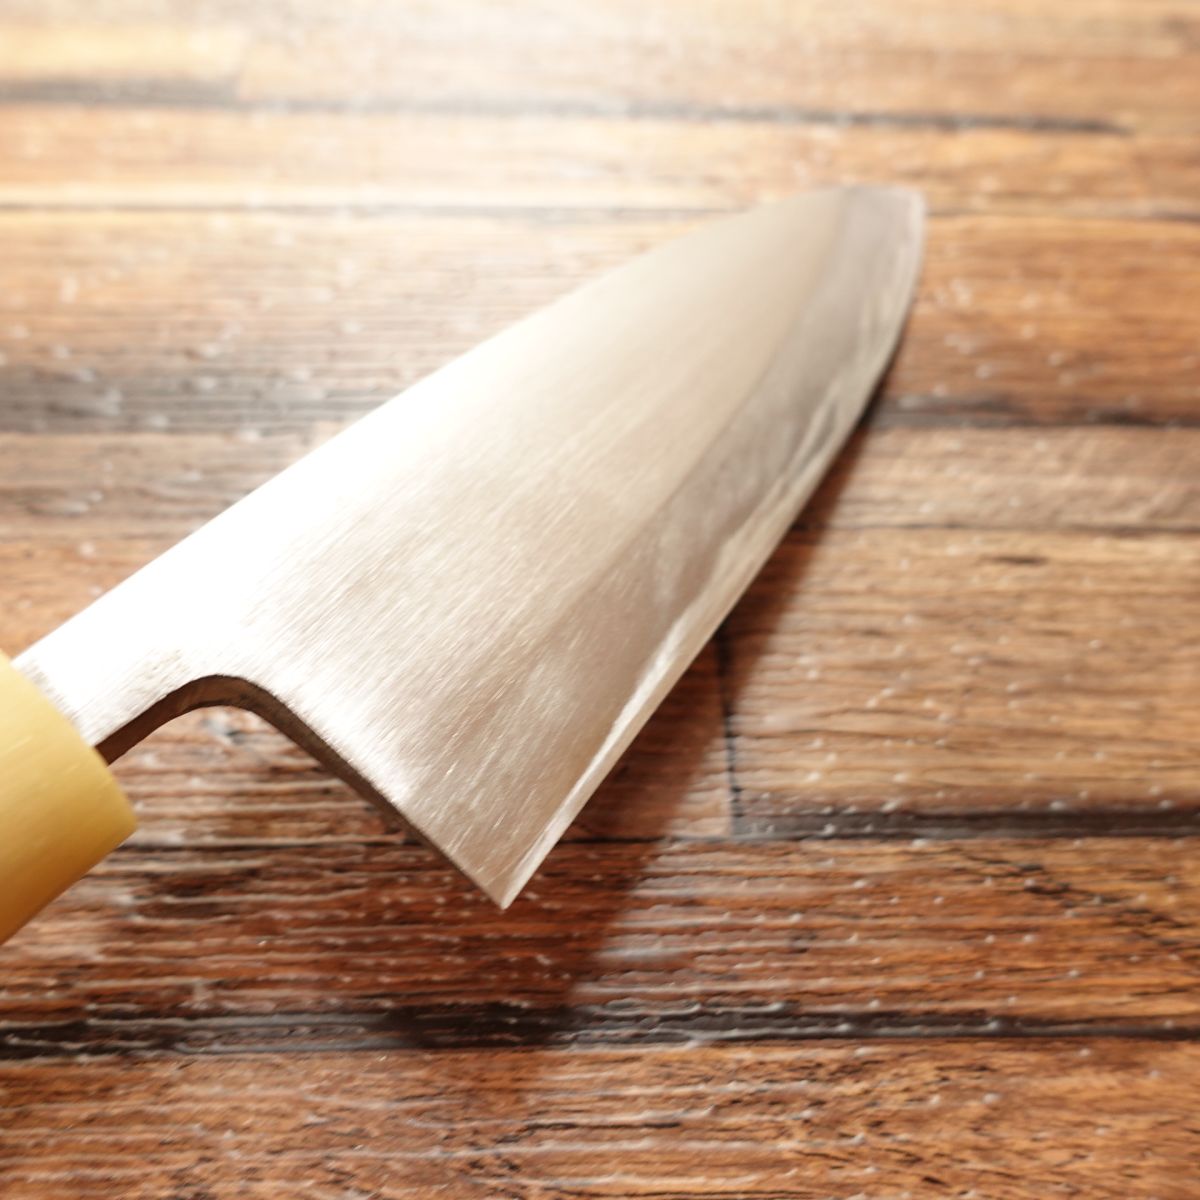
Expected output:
(467, 603)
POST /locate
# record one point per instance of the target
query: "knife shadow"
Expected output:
(557, 960)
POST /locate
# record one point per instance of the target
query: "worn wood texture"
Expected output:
(843, 1118)
(1031, 320)
(897, 895)
(368, 944)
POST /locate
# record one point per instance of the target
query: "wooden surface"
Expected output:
(899, 894)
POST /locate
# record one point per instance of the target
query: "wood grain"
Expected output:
(1030, 320)
(839, 1119)
(1099, 65)
(812, 939)
(987, 671)
(280, 158)
(365, 945)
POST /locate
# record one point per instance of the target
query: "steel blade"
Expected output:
(469, 602)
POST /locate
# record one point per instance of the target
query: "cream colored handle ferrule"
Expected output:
(61, 811)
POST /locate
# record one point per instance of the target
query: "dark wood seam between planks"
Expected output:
(976, 825)
(723, 661)
(512, 1026)
(160, 94)
(820, 528)
(1144, 213)
(25, 419)
(994, 411)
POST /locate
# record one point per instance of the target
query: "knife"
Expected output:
(467, 603)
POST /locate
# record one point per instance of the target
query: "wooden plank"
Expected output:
(1172, 175)
(129, 156)
(45, 584)
(1112, 479)
(274, 322)
(372, 946)
(801, 73)
(153, 488)
(60, 56)
(993, 60)
(1106, 1119)
(1042, 320)
(894, 670)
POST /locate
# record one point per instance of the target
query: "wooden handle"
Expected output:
(61, 811)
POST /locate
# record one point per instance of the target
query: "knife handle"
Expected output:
(61, 811)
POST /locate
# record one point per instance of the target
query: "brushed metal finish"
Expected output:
(469, 602)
